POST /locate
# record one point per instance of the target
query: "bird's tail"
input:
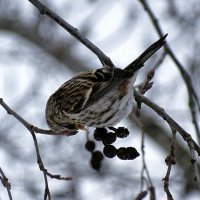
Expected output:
(139, 62)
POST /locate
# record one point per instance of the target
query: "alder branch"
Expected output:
(161, 112)
(5, 183)
(141, 195)
(144, 169)
(194, 163)
(193, 146)
(193, 97)
(146, 84)
(31, 129)
(47, 194)
(105, 60)
(170, 160)
(151, 187)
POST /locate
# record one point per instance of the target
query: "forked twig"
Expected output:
(161, 112)
(31, 128)
(106, 61)
(193, 97)
(193, 146)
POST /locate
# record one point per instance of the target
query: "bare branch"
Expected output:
(151, 188)
(193, 146)
(161, 112)
(194, 163)
(47, 194)
(141, 195)
(31, 128)
(170, 160)
(5, 183)
(106, 61)
(193, 98)
(146, 84)
(144, 169)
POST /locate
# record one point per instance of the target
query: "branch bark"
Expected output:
(161, 112)
(31, 129)
(193, 97)
(106, 61)
(5, 183)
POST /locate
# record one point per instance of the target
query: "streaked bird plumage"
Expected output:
(98, 98)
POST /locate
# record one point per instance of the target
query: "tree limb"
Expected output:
(161, 112)
(170, 160)
(31, 129)
(193, 98)
(106, 61)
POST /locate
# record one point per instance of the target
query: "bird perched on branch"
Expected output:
(98, 98)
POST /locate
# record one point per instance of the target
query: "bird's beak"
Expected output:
(80, 126)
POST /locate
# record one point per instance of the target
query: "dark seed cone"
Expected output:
(90, 145)
(121, 153)
(99, 133)
(131, 153)
(110, 151)
(122, 132)
(96, 160)
(128, 153)
(109, 138)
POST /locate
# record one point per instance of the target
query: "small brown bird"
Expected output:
(98, 98)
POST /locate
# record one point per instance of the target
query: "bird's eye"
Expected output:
(70, 126)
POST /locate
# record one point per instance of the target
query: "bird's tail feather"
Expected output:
(139, 62)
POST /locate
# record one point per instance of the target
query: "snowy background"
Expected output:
(37, 56)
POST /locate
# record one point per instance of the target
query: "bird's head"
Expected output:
(59, 121)
(63, 125)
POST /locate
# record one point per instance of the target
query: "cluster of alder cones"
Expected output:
(110, 151)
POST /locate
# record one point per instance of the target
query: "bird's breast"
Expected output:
(110, 109)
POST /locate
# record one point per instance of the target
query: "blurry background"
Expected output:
(37, 56)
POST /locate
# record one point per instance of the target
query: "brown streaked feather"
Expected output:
(139, 62)
(76, 92)
(87, 87)
(120, 75)
(81, 90)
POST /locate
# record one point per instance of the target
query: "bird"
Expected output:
(97, 98)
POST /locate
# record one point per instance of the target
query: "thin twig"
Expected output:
(141, 195)
(31, 128)
(144, 168)
(193, 146)
(193, 97)
(194, 163)
(146, 84)
(106, 61)
(5, 183)
(194, 117)
(147, 179)
(47, 194)
(161, 112)
(170, 160)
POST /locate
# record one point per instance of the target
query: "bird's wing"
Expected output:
(87, 87)
(139, 62)
(113, 78)
(119, 75)
(74, 93)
